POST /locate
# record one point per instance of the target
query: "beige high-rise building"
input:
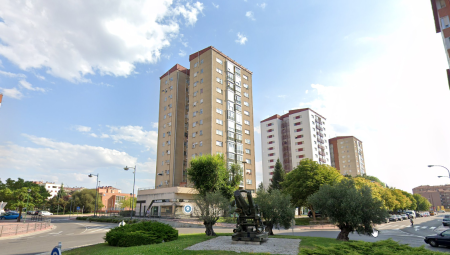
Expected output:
(206, 109)
(347, 155)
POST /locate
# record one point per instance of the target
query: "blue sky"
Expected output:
(81, 80)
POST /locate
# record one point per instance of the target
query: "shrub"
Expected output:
(127, 213)
(113, 219)
(142, 233)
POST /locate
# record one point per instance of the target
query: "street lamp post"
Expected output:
(28, 198)
(443, 167)
(243, 174)
(96, 193)
(126, 168)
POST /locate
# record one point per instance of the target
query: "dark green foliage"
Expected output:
(86, 199)
(422, 203)
(275, 209)
(277, 177)
(127, 213)
(350, 208)
(384, 247)
(211, 206)
(113, 219)
(142, 233)
(373, 178)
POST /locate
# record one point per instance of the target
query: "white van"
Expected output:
(411, 212)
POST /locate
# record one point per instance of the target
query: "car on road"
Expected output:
(439, 239)
(31, 212)
(45, 213)
(441, 211)
(446, 220)
(10, 216)
(392, 217)
(404, 216)
(399, 218)
(432, 213)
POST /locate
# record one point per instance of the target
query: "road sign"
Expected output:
(56, 251)
(187, 209)
(78, 208)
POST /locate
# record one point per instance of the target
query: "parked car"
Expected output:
(439, 239)
(45, 213)
(411, 214)
(318, 214)
(399, 218)
(432, 213)
(10, 216)
(446, 220)
(392, 217)
(31, 212)
(404, 216)
(425, 214)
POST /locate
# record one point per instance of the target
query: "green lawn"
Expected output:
(308, 245)
(302, 221)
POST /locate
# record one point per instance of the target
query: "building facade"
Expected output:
(438, 195)
(51, 187)
(207, 109)
(347, 155)
(111, 199)
(441, 13)
(294, 136)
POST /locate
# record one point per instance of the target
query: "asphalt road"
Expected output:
(73, 233)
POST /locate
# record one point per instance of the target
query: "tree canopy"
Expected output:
(209, 173)
(306, 180)
(85, 199)
(211, 206)
(275, 208)
(422, 203)
(351, 208)
(277, 177)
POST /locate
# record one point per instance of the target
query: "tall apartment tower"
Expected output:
(171, 159)
(441, 12)
(294, 136)
(347, 155)
(213, 113)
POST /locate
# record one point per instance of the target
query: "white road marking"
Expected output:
(424, 227)
(432, 227)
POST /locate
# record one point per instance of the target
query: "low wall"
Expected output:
(19, 228)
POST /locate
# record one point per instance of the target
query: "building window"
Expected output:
(195, 74)
(245, 85)
(219, 90)
(270, 136)
(201, 111)
(201, 70)
(249, 181)
(247, 141)
(219, 111)
(219, 61)
(196, 64)
(247, 113)
(245, 76)
(270, 142)
(219, 143)
(271, 154)
(299, 130)
(220, 122)
(298, 117)
(194, 114)
(247, 151)
(195, 93)
(201, 101)
(299, 136)
(247, 132)
(248, 161)
(201, 61)
(195, 84)
(219, 80)
(219, 132)
(201, 132)
(246, 122)
(270, 130)
(218, 70)
(201, 81)
(219, 100)
(246, 103)
(298, 123)
(299, 143)
(271, 149)
(201, 143)
(245, 94)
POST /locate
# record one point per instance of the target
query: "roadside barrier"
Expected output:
(23, 228)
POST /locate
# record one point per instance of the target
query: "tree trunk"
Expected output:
(343, 235)
(209, 229)
(20, 214)
(269, 227)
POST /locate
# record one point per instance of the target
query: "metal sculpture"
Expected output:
(249, 226)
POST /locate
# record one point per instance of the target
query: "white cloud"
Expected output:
(262, 6)
(109, 39)
(215, 5)
(257, 129)
(40, 76)
(154, 124)
(250, 15)
(28, 86)
(281, 96)
(182, 53)
(306, 92)
(93, 135)
(13, 93)
(12, 75)
(241, 39)
(52, 157)
(134, 134)
(83, 128)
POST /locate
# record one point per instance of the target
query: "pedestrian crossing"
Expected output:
(416, 227)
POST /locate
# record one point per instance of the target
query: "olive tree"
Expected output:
(350, 208)
(275, 208)
(211, 206)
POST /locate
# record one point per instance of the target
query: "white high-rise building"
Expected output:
(294, 136)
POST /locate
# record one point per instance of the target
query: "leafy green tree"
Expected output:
(306, 180)
(374, 179)
(126, 203)
(275, 209)
(411, 203)
(209, 173)
(260, 187)
(350, 208)
(402, 201)
(211, 206)
(20, 193)
(422, 203)
(278, 177)
(86, 199)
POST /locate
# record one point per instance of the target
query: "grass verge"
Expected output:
(308, 246)
(302, 221)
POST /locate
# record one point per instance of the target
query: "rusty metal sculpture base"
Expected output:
(249, 237)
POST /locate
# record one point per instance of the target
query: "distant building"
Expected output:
(71, 190)
(347, 155)
(438, 195)
(294, 136)
(112, 198)
(51, 187)
(441, 11)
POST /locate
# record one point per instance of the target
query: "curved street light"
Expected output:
(96, 193)
(126, 168)
(443, 167)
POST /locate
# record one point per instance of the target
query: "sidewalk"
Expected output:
(12, 228)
